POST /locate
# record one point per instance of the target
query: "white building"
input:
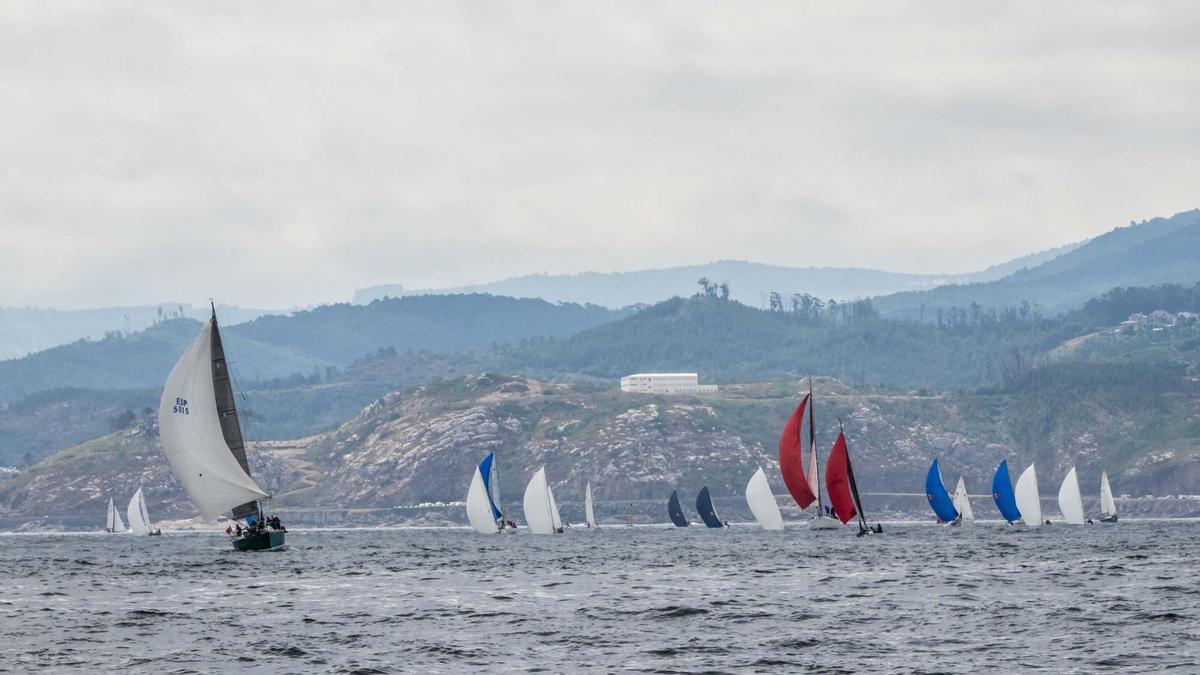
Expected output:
(665, 383)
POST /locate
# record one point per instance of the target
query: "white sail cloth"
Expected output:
(114, 523)
(139, 519)
(191, 436)
(1070, 500)
(762, 502)
(479, 509)
(1029, 501)
(1108, 507)
(962, 502)
(541, 512)
(589, 512)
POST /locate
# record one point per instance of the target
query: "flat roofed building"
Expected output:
(665, 383)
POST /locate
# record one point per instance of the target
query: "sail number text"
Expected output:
(181, 407)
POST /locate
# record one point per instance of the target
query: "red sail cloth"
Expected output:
(791, 457)
(837, 480)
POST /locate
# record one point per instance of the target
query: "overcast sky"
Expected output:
(279, 154)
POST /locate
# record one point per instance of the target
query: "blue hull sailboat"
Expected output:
(939, 497)
(1002, 492)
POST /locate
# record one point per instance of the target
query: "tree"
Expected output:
(725, 290)
(776, 302)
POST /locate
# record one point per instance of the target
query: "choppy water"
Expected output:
(917, 599)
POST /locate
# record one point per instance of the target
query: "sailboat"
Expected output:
(1070, 501)
(139, 519)
(1029, 501)
(762, 502)
(483, 499)
(541, 511)
(804, 489)
(843, 489)
(708, 512)
(1002, 492)
(202, 439)
(675, 510)
(939, 497)
(1108, 507)
(113, 523)
(589, 512)
(962, 502)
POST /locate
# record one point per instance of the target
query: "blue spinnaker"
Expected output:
(939, 498)
(705, 507)
(485, 470)
(675, 510)
(1002, 492)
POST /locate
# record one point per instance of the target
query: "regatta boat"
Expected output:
(962, 502)
(483, 499)
(1029, 501)
(675, 510)
(804, 489)
(541, 511)
(1108, 507)
(202, 439)
(1002, 492)
(843, 489)
(762, 502)
(113, 523)
(708, 512)
(589, 512)
(939, 498)
(1070, 501)
(139, 520)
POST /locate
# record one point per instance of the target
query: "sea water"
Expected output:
(918, 598)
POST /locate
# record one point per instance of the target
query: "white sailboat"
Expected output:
(762, 502)
(139, 519)
(202, 439)
(113, 522)
(1108, 507)
(1029, 501)
(588, 509)
(483, 500)
(1070, 501)
(962, 502)
(541, 511)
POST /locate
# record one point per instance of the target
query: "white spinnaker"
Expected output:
(1070, 501)
(762, 502)
(139, 520)
(554, 517)
(537, 504)
(479, 510)
(588, 508)
(962, 502)
(1108, 507)
(1029, 502)
(191, 435)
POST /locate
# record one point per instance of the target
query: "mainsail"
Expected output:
(113, 522)
(1029, 501)
(675, 510)
(708, 512)
(1108, 507)
(480, 510)
(938, 496)
(1002, 492)
(198, 427)
(762, 502)
(589, 513)
(791, 457)
(540, 510)
(1070, 500)
(139, 520)
(962, 502)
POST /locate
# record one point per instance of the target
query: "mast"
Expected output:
(812, 444)
(549, 502)
(495, 482)
(862, 518)
(231, 429)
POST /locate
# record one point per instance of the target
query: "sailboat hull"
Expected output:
(825, 523)
(1109, 519)
(263, 541)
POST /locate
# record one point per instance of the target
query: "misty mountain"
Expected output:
(1154, 252)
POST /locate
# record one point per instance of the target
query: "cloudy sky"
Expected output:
(279, 154)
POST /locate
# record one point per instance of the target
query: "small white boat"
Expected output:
(113, 523)
(541, 511)
(1070, 501)
(762, 502)
(589, 512)
(1108, 507)
(962, 502)
(1029, 501)
(139, 519)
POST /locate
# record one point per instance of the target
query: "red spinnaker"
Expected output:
(837, 480)
(791, 457)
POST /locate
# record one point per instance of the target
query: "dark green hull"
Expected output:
(263, 541)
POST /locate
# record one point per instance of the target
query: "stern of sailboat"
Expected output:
(269, 540)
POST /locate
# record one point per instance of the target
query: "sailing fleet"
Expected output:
(139, 519)
(1021, 504)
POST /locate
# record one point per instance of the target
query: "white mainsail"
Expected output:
(479, 509)
(1070, 501)
(114, 523)
(588, 510)
(762, 502)
(962, 502)
(139, 519)
(1029, 501)
(540, 511)
(814, 483)
(1108, 507)
(192, 439)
